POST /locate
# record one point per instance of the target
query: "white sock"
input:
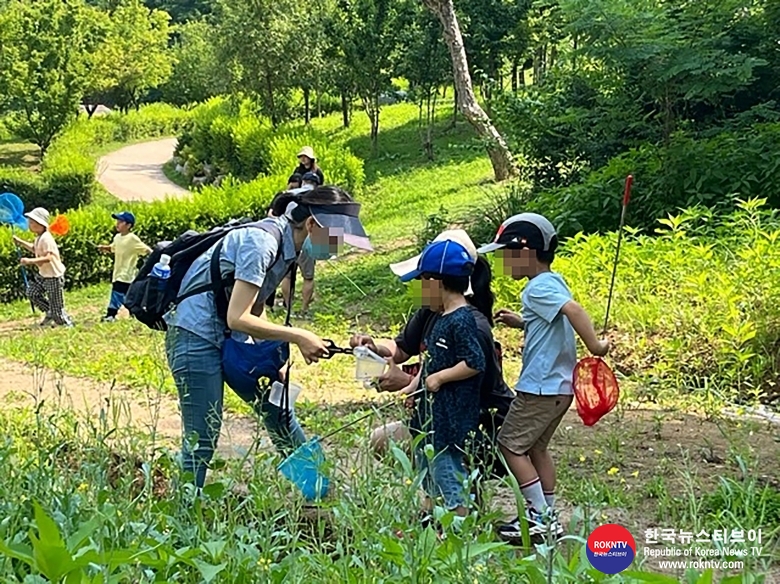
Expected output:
(549, 498)
(533, 493)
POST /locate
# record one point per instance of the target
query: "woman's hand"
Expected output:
(26, 261)
(19, 240)
(509, 318)
(312, 347)
(104, 248)
(394, 379)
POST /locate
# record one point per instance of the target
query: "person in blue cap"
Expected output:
(127, 247)
(451, 375)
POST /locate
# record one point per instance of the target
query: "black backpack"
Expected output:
(147, 301)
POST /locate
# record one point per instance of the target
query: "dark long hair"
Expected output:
(483, 297)
(322, 195)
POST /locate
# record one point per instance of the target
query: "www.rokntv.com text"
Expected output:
(701, 565)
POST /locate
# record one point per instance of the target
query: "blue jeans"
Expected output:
(196, 365)
(445, 476)
(117, 300)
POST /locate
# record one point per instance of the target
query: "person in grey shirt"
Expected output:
(317, 221)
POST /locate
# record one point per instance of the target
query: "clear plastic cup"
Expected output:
(368, 365)
(277, 391)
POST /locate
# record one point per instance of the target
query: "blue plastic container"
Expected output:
(304, 469)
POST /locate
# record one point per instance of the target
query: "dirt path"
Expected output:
(134, 173)
(153, 413)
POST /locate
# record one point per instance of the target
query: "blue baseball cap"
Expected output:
(442, 258)
(125, 216)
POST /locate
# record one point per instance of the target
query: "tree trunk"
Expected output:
(454, 122)
(306, 106)
(91, 109)
(344, 109)
(498, 151)
(515, 68)
(371, 105)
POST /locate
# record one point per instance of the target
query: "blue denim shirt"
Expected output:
(251, 254)
(550, 351)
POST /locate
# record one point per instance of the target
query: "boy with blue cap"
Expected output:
(127, 247)
(451, 375)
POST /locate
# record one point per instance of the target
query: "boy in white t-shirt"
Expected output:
(127, 247)
(46, 290)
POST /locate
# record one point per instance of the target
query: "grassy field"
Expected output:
(655, 462)
(19, 154)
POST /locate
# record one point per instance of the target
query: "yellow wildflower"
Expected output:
(613, 471)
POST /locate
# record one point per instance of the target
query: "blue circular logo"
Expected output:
(611, 548)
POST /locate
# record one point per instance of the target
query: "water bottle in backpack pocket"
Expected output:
(162, 271)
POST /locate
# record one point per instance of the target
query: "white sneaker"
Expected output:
(539, 524)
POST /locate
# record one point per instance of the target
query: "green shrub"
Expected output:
(25, 183)
(338, 164)
(687, 172)
(237, 141)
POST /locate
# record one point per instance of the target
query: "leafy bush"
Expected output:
(338, 164)
(687, 172)
(696, 308)
(238, 142)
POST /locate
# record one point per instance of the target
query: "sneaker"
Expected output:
(538, 526)
(109, 319)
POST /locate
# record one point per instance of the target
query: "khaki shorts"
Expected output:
(532, 421)
(306, 265)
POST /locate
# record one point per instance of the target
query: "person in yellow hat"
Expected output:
(308, 163)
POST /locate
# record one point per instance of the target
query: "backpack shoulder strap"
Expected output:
(220, 284)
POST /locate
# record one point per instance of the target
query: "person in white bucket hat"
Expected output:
(46, 290)
(495, 397)
(307, 162)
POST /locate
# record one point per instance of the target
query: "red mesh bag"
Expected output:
(595, 388)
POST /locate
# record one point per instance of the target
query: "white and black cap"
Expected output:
(526, 230)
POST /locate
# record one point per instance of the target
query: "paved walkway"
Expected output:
(134, 173)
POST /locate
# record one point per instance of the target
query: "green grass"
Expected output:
(402, 186)
(169, 170)
(19, 154)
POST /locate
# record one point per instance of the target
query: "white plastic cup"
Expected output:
(277, 391)
(368, 365)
